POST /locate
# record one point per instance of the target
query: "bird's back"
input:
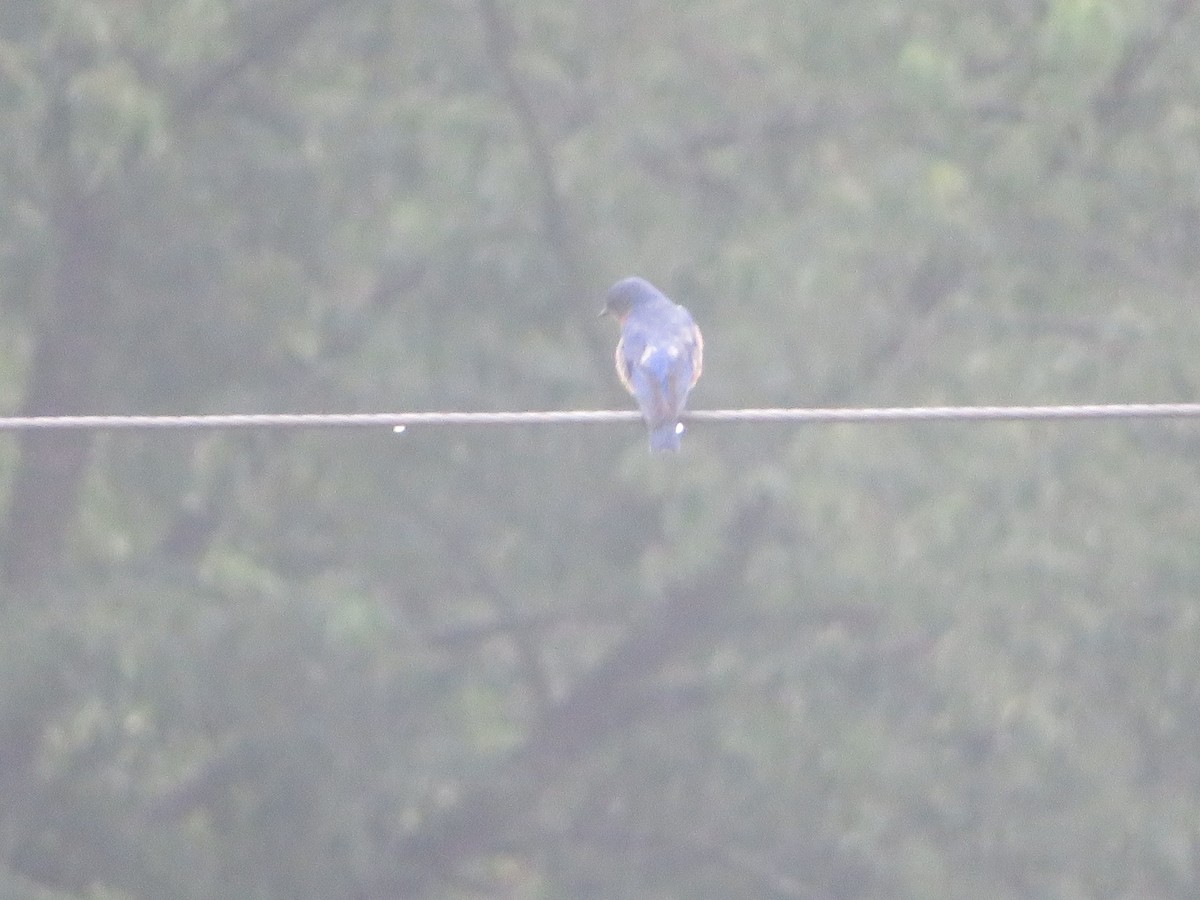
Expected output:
(658, 357)
(658, 352)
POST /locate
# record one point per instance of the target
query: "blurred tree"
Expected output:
(840, 662)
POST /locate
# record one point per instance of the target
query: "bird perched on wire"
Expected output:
(658, 356)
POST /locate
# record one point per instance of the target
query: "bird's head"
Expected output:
(629, 294)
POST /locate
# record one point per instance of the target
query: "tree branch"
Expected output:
(555, 222)
(62, 372)
(939, 275)
(602, 703)
(263, 41)
(1115, 95)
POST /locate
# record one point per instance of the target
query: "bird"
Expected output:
(659, 355)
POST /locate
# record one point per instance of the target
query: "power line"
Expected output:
(399, 421)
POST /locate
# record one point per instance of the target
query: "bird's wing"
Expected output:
(625, 361)
(697, 353)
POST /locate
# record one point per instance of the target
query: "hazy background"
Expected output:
(857, 661)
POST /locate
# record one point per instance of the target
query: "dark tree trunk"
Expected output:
(61, 380)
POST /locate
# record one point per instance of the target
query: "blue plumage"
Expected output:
(659, 355)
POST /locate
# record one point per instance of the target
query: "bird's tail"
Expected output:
(665, 436)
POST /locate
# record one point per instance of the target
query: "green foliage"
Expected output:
(844, 661)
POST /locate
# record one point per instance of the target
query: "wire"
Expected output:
(399, 421)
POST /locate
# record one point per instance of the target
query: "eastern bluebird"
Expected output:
(658, 357)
